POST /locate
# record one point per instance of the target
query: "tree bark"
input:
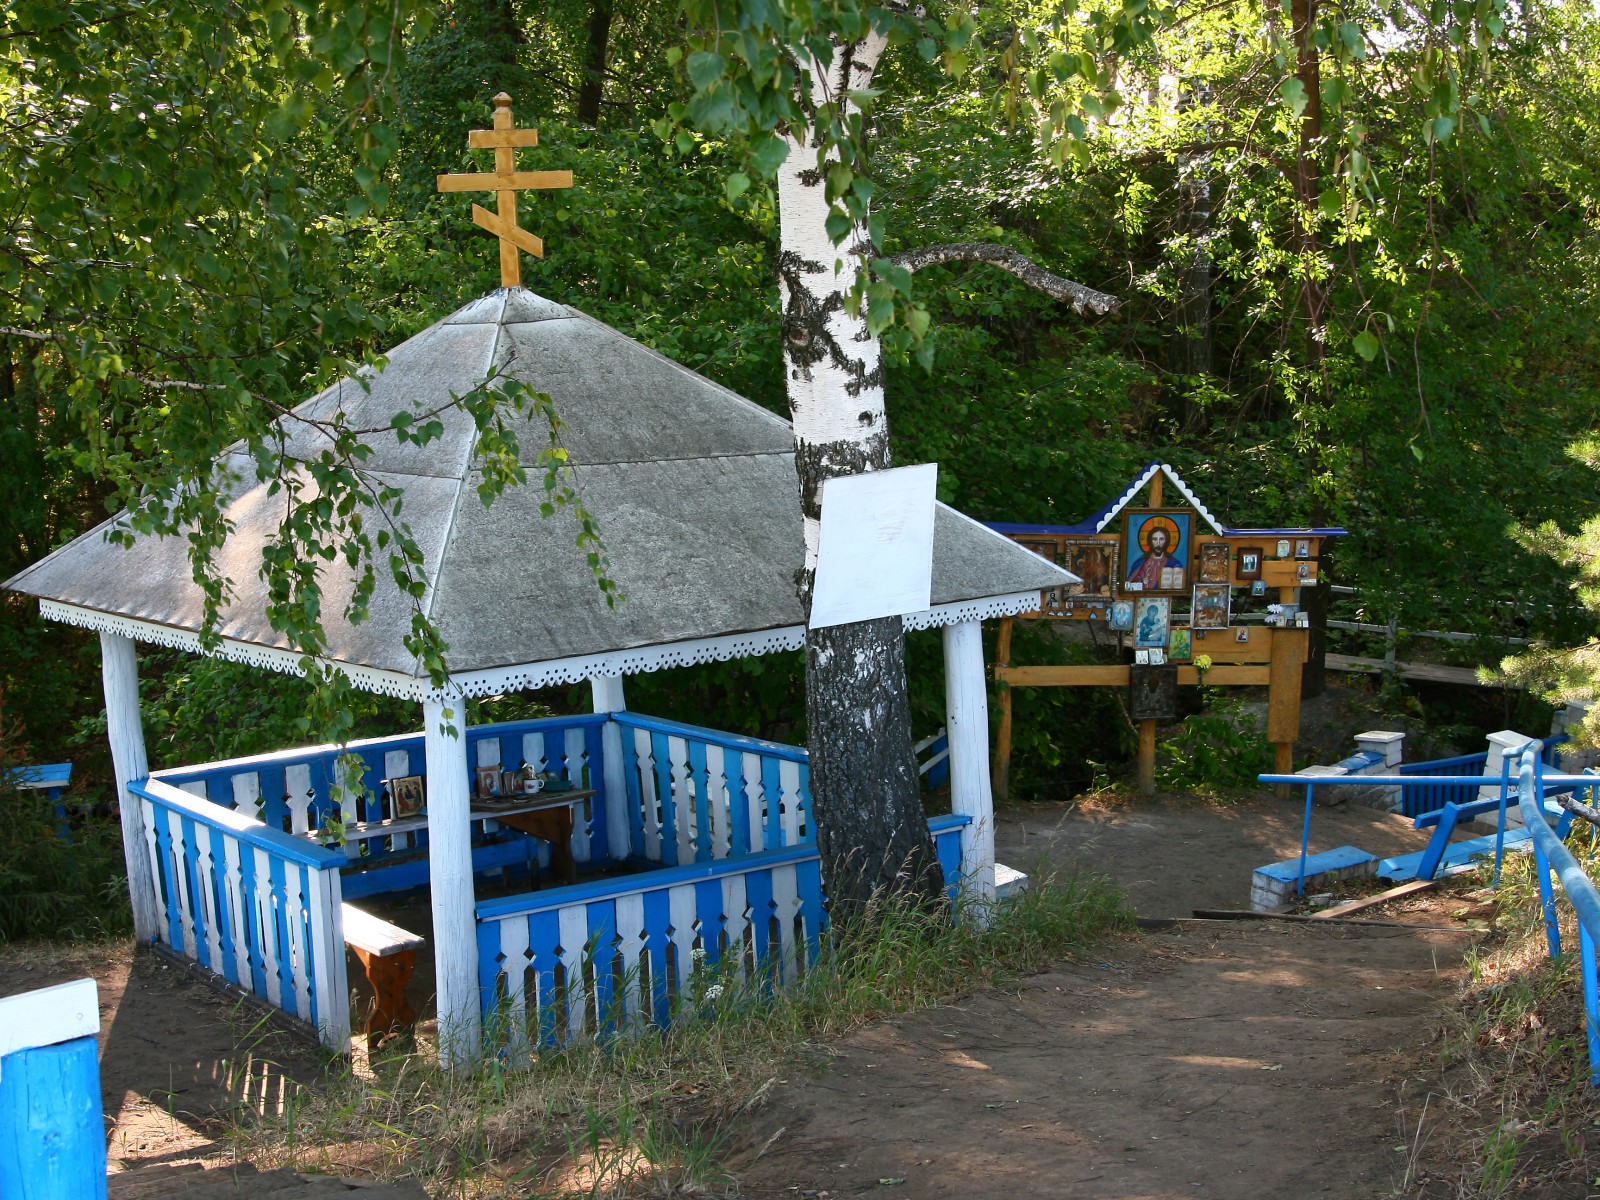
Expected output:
(594, 63)
(1083, 299)
(871, 833)
(1189, 348)
(1313, 303)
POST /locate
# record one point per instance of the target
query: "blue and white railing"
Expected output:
(1549, 854)
(257, 906)
(576, 962)
(698, 795)
(294, 790)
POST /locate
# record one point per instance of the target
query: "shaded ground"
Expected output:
(1228, 1060)
(1210, 1060)
(1174, 854)
(175, 1055)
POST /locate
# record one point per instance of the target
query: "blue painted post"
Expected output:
(1305, 842)
(1500, 825)
(1591, 1002)
(52, 1129)
(1547, 900)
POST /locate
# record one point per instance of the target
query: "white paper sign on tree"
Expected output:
(875, 554)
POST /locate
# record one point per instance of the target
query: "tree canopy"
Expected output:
(212, 209)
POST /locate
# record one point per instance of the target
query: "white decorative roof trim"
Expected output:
(1145, 477)
(270, 658)
(985, 608)
(624, 662)
(556, 672)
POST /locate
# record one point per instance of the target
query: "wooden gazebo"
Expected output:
(693, 488)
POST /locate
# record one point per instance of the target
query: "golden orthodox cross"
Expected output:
(505, 182)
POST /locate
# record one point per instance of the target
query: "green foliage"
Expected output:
(1217, 747)
(53, 886)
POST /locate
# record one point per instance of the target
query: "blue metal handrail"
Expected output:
(1549, 853)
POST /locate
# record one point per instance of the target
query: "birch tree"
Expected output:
(801, 93)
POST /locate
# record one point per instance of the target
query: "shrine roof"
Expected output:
(692, 487)
(1098, 522)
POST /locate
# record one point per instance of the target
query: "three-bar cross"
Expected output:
(505, 182)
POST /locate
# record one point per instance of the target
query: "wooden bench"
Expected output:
(388, 955)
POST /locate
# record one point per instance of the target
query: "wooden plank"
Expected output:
(1112, 675)
(491, 139)
(1283, 705)
(1355, 906)
(1280, 572)
(504, 181)
(1228, 675)
(1420, 672)
(1074, 676)
(1223, 646)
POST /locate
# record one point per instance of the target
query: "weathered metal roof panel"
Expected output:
(692, 486)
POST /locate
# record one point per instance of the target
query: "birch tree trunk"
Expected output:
(871, 832)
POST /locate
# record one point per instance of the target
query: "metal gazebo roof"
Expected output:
(692, 486)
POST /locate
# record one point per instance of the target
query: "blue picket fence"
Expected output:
(257, 906)
(305, 790)
(717, 828)
(580, 961)
(1434, 792)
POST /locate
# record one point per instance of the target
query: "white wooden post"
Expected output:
(125, 732)
(607, 693)
(455, 934)
(966, 709)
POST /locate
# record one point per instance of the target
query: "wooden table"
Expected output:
(546, 815)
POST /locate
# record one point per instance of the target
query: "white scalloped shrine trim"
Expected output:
(986, 608)
(557, 672)
(269, 658)
(561, 671)
(1145, 477)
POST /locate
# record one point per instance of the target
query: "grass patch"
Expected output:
(1510, 1108)
(647, 1113)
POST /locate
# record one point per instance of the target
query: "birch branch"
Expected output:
(1082, 299)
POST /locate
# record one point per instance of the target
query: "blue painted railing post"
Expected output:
(52, 1128)
(1305, 842)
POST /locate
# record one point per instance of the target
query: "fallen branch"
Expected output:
(1083, 299)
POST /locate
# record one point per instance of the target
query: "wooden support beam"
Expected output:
(493, 139)
(1283, 698)
(966, 722)
(1000, 776)
(1113, 675)
(1147, 758)
(496, 181)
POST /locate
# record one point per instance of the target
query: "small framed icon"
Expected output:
(1258, 588)
(1210, 606)
(406, 795)
(1283, 547)
(1302, 548)
(488, 782)
(1214, 560)
(1242, 633)
(1250, 562)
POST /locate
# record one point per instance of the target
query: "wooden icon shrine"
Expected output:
(1172, 584)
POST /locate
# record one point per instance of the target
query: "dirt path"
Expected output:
(1214, 1059)
(1230, 1060)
